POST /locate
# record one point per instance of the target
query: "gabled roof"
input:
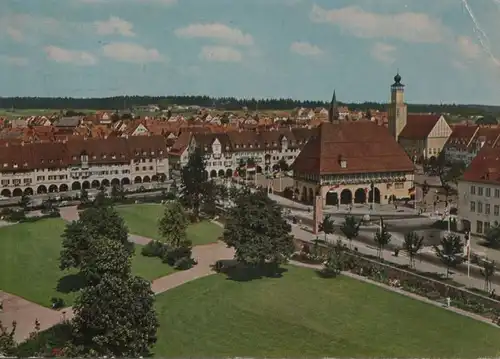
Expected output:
(419, 126)
(485, 167)
(366, 147)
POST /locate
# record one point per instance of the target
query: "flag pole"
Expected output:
(468, 254)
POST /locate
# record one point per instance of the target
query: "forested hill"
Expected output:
(227, 103)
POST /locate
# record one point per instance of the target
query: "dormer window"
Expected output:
(25, 164)
(237, 146)
(113, 157)
(6, 165)
(122, 155)
(94, 157)
(161, 152)
(51, 161)
(152, 153)
(144, 153)
(15, 165)
(137, 153)
(42, 161)
(250, 145)
(74, 158)
(103, 156)
(227, 148)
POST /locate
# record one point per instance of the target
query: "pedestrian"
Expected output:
(448, 302)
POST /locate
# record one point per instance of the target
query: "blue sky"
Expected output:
(446, 50)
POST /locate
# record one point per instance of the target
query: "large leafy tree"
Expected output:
(450, 251)
(104, 256)
(412, 244)
(114, 313)
(350, 228)
(194, 182)
(173, 224)
(94, 222)
(382, 238)
(257, 230)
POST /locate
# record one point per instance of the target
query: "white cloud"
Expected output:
(468, 48)
(114, 25)
(220, 54)
(383, 52)
(132, 53)
(13, 60)
(75, 57)
(305, 49)
(407, 26)
(215, 31)
(14, 34)
(17, 26)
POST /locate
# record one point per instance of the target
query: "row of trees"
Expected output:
(227, 103)
(450, 249)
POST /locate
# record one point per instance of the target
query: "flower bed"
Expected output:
(409, 281)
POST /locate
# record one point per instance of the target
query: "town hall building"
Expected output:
(348, 162)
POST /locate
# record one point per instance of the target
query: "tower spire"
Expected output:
(333, 113)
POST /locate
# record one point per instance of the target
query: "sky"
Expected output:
(447, 51)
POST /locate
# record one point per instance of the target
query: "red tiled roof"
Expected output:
(485, 167)
(419, 126)
(366, 147)
(62, 154)
(461, 136)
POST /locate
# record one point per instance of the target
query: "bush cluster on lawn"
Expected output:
(177, 257)
(407, 280)
(19, 216)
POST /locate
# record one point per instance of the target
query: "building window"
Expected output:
(480, 191)
(472, 189)
(479, 207)
(487, 208)
(497, 193)
(399, 185)
(486, 227)
(473, 206)
(137, 169)
(488, 192)
(479, 227)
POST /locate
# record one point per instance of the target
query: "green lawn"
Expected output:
(142, 219)
(29, 262)
(302, 315)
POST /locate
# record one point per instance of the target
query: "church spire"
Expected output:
(333, 112)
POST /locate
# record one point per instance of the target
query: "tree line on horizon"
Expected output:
(223, 103)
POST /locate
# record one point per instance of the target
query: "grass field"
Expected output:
(142, 219)
(29, 262)
(302, 315)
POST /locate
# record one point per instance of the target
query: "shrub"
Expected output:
(184, 263)
(57, 303)
(172, 255)
(43, 343)
(154, 249)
